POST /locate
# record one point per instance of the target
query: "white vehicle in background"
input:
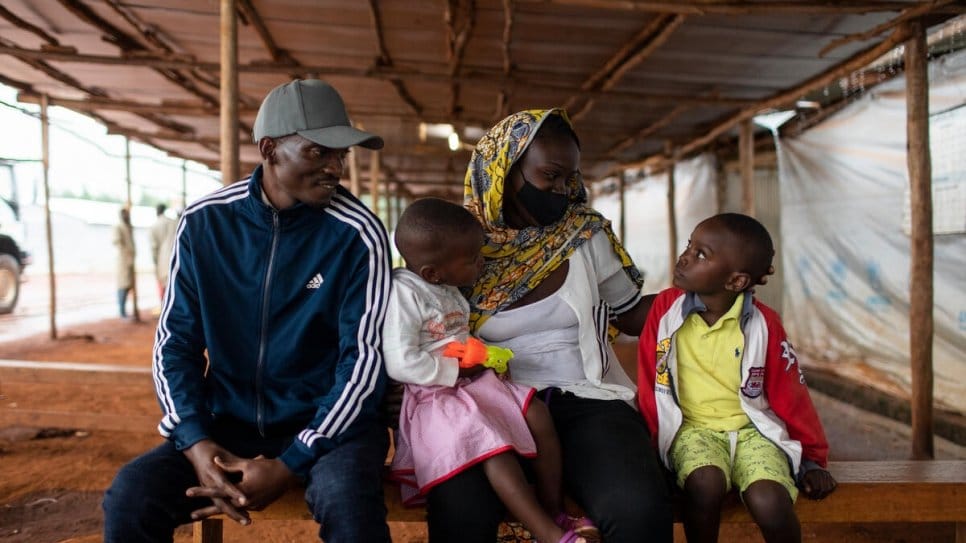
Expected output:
(13, 257)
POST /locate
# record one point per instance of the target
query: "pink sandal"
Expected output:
(577, 527)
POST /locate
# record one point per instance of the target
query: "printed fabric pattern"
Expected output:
(515, 261)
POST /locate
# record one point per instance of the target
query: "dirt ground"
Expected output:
(52, 479)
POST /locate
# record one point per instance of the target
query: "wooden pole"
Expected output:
(132, 270)
(354, 171)
(45, 159)
(184, 185)
(672, 216)
(746, 159)
(374, 180)
(229, 93)
(622, 206)
(388, 199)
(921, 240)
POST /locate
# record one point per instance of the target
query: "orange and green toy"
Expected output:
(474, 352)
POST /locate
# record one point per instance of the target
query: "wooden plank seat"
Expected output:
(868, 492)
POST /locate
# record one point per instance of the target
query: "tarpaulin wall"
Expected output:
(844, 197)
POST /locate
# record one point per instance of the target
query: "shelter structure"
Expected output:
(647, 82)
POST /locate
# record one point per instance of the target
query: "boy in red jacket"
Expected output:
(721, 389)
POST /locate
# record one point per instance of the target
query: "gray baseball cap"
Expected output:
(314, 110)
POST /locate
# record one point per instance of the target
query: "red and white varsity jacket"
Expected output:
(772, 393)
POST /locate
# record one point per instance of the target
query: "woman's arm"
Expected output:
(631, 322)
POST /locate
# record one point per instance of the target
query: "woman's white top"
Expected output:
(596, 288)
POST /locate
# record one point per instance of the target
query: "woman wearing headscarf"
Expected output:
(556, 286)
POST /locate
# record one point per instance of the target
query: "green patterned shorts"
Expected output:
(744, 456)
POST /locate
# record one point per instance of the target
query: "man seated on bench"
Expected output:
(720, 387)
(283, 279)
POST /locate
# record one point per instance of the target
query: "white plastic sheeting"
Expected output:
(647, 217)
(846, 257)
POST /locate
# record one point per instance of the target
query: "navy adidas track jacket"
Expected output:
(289, 306)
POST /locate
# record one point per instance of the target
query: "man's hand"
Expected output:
(263, 480)
(215, 484)
(818, 483)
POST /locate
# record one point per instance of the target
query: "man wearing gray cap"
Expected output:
(267, 361)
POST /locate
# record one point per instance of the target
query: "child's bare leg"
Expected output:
(511, 485)
(773, 511)
(704, 491)
(547, 465)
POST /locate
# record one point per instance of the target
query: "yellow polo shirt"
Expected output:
(709, 370)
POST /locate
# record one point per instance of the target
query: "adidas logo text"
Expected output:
(315, 282)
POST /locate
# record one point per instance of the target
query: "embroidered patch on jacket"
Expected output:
(663, 377)
(755, 383)
(315, 282)
(791, 359)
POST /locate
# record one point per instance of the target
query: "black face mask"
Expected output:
(546, 207)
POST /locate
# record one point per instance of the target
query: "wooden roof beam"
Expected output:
(129, 45)
(780, 99)
(703, 7)
(29, 27)
(647, 40)
(503, 97)
(250, 15)
(460, 18)
(385, 60)
(906, 15)
(648, 130)
(70, 81)
(476, 78)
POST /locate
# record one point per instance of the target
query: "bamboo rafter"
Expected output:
(539, 81)
(385, 59)
(460, 18)
(642, 45)
(70, 81)
(33, 29)
(128, 44)
(503, 97)
(906, 15)
(780, 99)
(703, 7)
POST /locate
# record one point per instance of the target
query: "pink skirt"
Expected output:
(445, 430)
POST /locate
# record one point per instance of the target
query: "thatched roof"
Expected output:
(637, 76)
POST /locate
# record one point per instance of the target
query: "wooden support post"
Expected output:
(132, 269)
(184, 185)
(388, 199)
(921, 240)
(374, 180)
(672, 216)
(746, 158)
(229, 93)
(354, 171)
(621, 206)
(45, 159)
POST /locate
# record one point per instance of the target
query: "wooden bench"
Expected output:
(868, 492)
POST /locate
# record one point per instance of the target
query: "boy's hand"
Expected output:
(215, 483)
(818, 483)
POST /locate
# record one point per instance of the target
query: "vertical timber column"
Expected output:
(132, 271)
(387, 192)
(746, 159)
(184, 184)
(622, 206)
(921, 240)
(672, 215)
(45, 159)
(354, 171)
(374, 180)
(229, 93)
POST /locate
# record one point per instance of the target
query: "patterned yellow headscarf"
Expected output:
(518, 260)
